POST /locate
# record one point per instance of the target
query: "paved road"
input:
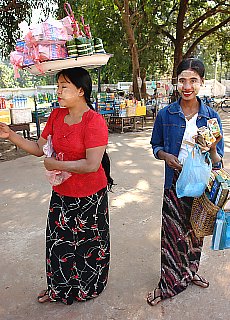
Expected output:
(135, 211)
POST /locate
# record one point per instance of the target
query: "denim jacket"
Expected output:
(168, 132)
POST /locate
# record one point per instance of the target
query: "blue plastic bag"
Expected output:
(221, 233)
(195, 174)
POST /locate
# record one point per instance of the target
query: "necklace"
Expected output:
(195, 106)
(189, 115)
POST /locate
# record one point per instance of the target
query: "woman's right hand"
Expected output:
(4, 131)
(172, 161)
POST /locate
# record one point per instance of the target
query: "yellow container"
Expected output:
(122, 105)
(141, 111)
(129, 103)
(30, 102)
(5, 116)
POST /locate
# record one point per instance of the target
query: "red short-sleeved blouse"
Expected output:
(72, 141)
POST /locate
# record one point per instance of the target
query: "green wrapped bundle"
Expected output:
(72, 48)
(82, 46)
(98, 46)
(90, 47)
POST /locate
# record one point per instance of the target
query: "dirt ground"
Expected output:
(8, 151)
(135, 219)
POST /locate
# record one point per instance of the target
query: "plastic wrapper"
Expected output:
(86, 28)
(68, 25)
(51, 52)
(204, 137)
(49, 30)
(98, 45)
(21, 57)
(29, 52)
(54, 30)
(74, 24)
(214, 127)
(20, 45)
(55, 177)
(16, 59)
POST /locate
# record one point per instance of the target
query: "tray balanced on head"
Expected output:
(52, 67)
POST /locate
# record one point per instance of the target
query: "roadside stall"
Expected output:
(16, 113)
(19, 106)
(21, 116)
(121, 113)
(130, 115)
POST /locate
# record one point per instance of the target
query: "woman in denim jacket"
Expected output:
(175, 124)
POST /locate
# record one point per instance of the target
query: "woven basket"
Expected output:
(203, 216)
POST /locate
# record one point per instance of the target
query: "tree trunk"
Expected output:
(136, 72)
(143, 87)
(125, 14)
(178, 56)
(179, 41)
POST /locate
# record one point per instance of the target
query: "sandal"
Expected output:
(153, 297)
(44, 296)
(200, 281)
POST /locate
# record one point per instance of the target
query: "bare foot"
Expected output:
(154, 297)
(200, 281)
(43, 296)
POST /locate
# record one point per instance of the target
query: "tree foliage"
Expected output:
(190, 22)
(163, 32)
(11, 14)
(7, 79)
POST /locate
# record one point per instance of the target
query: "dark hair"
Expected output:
(192, 64)
(81, 79)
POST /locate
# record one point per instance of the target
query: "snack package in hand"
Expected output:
(55, 177)
(214, 127)
(204, 138)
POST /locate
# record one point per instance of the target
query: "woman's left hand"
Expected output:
(210, 148)
(51, 163)
(213, 146)
(213, 151)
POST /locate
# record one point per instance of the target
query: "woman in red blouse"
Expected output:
(77, 234)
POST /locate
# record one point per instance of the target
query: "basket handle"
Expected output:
(76, 28)
(69, 11)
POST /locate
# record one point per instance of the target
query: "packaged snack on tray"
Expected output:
(51, 51)
(20, 45)
(213, 125)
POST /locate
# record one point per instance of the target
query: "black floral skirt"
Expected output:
(77, 247)
(180, 248)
